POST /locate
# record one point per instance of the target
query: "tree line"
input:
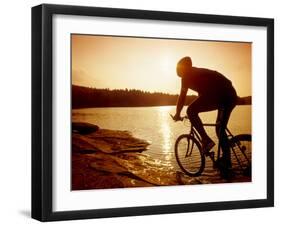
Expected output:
(85, 97)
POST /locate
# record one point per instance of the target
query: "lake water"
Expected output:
(154, 124)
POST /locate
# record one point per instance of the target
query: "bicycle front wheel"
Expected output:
(189, 156)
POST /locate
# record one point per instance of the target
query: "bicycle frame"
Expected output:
(230, 137)
(196, 135)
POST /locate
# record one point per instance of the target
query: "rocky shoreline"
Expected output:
(104, 158)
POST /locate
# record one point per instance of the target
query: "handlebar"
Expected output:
(181, 118)
(204, 124)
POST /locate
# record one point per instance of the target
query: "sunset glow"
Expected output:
(126, 112)
(150, 64)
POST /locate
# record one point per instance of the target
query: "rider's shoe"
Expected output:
(226, 173)
(224, 162)
(224, 167)
(207, 146)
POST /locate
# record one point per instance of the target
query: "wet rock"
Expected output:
(84, 128)
(183, 179)
(106, 163)
(138, 166)
(148, 169)
(88, 175)
(108, 141)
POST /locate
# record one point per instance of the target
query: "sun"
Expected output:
(167, 65)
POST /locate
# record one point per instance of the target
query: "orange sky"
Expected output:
(150, 64)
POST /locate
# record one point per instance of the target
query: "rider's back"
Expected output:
(205, 81)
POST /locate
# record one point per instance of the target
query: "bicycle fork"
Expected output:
(189, 151)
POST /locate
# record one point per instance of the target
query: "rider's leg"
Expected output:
(222, 120)
(201, 104)
(228, 104)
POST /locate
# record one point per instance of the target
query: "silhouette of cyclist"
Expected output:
(215, 92)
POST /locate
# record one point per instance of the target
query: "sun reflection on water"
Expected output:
(165, 131)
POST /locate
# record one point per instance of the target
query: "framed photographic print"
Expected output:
(140, 112)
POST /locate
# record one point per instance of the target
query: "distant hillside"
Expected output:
(84, 97)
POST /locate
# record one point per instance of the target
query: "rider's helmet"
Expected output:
(183, 66)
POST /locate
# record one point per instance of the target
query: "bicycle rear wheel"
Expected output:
(189, 156)
(241, 153)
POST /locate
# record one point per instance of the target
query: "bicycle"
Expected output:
(191, 159)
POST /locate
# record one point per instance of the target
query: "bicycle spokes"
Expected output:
(189, 155)
(241, 150)
(189, 148)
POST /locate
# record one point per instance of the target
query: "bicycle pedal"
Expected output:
(210, 154)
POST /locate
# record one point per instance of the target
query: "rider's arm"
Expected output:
(181, 99)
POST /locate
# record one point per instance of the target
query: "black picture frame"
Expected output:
(42, 108)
